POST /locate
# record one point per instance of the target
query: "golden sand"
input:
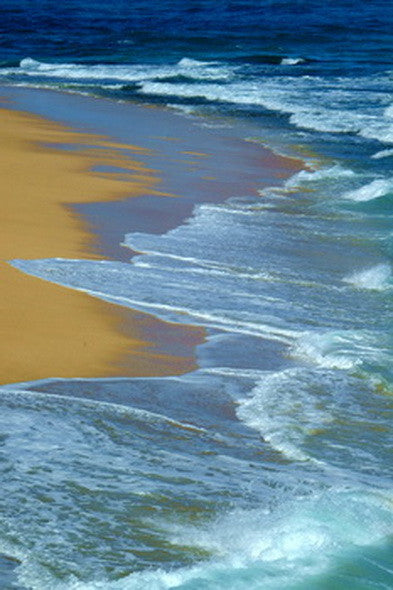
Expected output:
(48, 330)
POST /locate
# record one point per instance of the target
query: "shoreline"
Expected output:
(86, 182)
(49, 330)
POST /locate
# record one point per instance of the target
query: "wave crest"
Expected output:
(378, 278)
(374, 190)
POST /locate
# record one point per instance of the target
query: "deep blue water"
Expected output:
(350, 33)
(270, 467)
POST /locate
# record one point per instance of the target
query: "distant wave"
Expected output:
(292, 61)
(271, 59)
(329, 106)
(189, 68)
(268, 58)
(334, 104)
(382, 154)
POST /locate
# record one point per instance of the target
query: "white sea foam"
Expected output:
(342, 349)
(382, 154)
(292, 61)
(389, 112)
(182, 108)
(271, 548)
(373, 190)
(267, 330)
(378, 278)
(113, 282)
(30, 63)
(193, 265)
(203, 269)
(320, 174)
(329, 106)
(284, 410)
(330, 350)
(330, 120)
(290, 536)
(96, 406)
(296, 532)
(123, 72)
(187, 62)
(379, 130)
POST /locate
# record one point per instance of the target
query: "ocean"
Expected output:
(269, 467)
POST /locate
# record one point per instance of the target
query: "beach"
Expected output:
(196, 260)
(74, 335)
(47, 330)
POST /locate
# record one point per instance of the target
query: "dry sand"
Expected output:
(48, 330)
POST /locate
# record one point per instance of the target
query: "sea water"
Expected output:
(270, 467)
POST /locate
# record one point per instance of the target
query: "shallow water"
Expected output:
(269, 467)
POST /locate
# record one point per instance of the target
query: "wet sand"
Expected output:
(48, 330)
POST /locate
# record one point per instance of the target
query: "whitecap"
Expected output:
(292, 61)
(28, 62)
(270, 547)
(382, 154)
(342, 349)
(121, 72)
(319, 174)
(329, 349)
(284, 410)
(389, 112)
(373, 190)
(377, 277)
(187, 62)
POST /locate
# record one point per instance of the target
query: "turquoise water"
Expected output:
(270, 466)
